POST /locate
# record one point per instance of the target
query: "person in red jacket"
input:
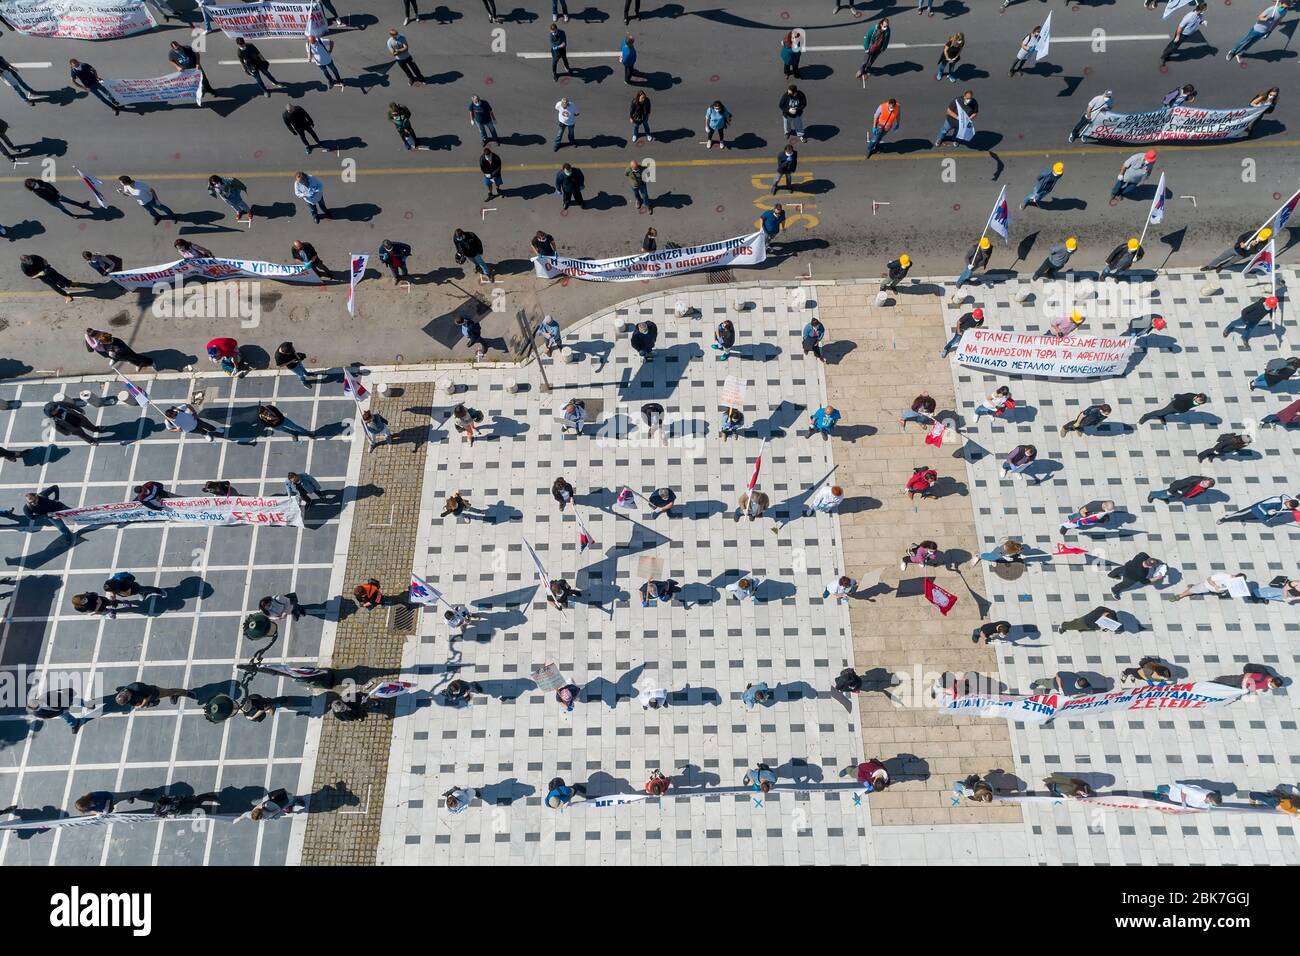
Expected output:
(921, 482)
(872, 775)
(225, 352)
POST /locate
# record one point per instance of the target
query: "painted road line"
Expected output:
(927, 155)
(31, 66)
(857, 48)
(586, 55)
(296, 59)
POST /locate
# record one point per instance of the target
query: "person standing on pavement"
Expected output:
(256, 65)
(968, 105)
(1122, 258)
(772, 221)
(1046, 182)
(566, 117)
(35, 267)
(811, 340)
(1132, 174)
(639, 116)
(184, 58)
(299, 122)
(896, 271)
(469, 248)
(1262, 27)
(395, 255)
(1090, 417)
(489, 164)
(183, 418)
(311, 191)
(1098, 104)
(973, 319)
(716, 120)
(977, 258)
(321, 52)
(16, 82)
(230, 190)
(50, 193)
(559, 51)
(288, 357)
(950, 56)
(1191, 23)
(888, 117)
(787, 163)
(305, 253)
(644, 336)
(300, 485)
(627, 57)
(823, 421)
(1136, 571)
(400, 116)
(401, 52)
(1058, 256)
(87, 78)
(144, 194)
(874, 43)
(270, 417)
(481, 115)
(543, 244)
(792, 105)
(569, 182)
(636, 177)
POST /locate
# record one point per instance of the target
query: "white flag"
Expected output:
(1044, 38)
(1157, 213)
(135, 391)
(541, 571)
(422, 592)
(1000, 217)
(353, 388)
(356, 270)
(1173, 5)
(965, 128)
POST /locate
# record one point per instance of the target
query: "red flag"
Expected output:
(945, 601)
(1066, 549)
(935, 437)
(758, 466)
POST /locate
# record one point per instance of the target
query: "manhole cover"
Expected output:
(1009, 570)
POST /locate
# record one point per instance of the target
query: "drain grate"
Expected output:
(402, 618)
(721, 275)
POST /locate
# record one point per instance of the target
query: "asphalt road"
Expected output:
(691, 54)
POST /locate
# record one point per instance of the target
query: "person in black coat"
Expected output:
(299, 122)
(394, 255)
(569, 182)
(1180, 404)
(644, 337)
(787, 162)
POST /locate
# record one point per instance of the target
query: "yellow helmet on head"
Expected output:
(1072, 243)
(984, 242)
(1058, 169)
(1265, 233)
(1076, 317)
(905, 261)
(1132, 245)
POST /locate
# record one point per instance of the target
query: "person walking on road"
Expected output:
(716, 120)
(888, 117)
(787, 162)
(299, 122)
(489, 164)
(791, 52)
(1046, 182)
(17, 83)
(400, 116)
(1190, 24)
(559, 52)
(792, 105)
(636, 177)
(772, 221)
(569, 183)
(87, 78)
(627, 57)
(256, 65)
(639, 116)
(50, 193)
(874, 43)
(230, 191)
(566, 118)
(1098, 104)
(144, 194)
(401, 52)
(312, 192)
(114, 349)
(1058, 256)
(481, 115)
(1132, 174)
(1262, 27)
(306, 253)
(321, 52)
(36, 267)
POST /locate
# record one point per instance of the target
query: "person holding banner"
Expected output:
(305, 253)
(87, 77)
(558, 793)
(1098, 104)
(184, 58)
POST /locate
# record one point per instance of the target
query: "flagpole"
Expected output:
(1270, 219)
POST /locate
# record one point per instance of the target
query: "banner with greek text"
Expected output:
(1110, 801)
(78, 19)
(747, 250)
(1041, 708)
(1075, 356)
(193, 511)
(265, 21)
(181, 85)
(1171, 124)
(214, 269)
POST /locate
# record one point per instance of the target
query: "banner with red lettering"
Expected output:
(1041, 708)
(748, 250)
(1074, 356)
(265, 21)
(193, 511)
(181, 85)
(78, 19)
(1171, 124)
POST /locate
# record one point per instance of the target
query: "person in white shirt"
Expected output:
(148, 199)
(1099, 103)
(458, 799)
(566, 115)
(1216, 583)
(653, 699)
(311, 191)
(825, 499)
(458, 617)
(1189, 24)
(401, 52)
(183, 418)
(320, 52)
(840, 588)
(746, 589)
(1190, 795)
(277, 803)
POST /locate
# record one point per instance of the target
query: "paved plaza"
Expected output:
(191, 638)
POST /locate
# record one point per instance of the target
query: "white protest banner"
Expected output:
(1173, 5)
(1075, 356)
(78, 19)
(747, 250)
(422, 592)
(1171, 124)
(965, 128)
(265, 21)
(1041, 708)
(613, 800)
(548, 677)
(1110, 802)
(355, 273)
(196, 511)
(213, 269)
(104, 819)
(181, 85)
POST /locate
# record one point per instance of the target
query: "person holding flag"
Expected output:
(1190, 23)
(353, 388)
(1046, 182)
(1247, 245)
(1000, 217)
(959, 120)
(1122, 257)
(977, 257)
(1028, 46)
(1264, 261)
(1132, 174)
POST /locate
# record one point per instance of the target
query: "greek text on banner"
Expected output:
(1172, 124)
(182, 85)
(78, 19)
(265, 21)
(214, 269)
(747, 250)
(1041, 708)
(1075, 356)
(197, 511)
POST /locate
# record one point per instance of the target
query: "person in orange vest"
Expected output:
(886, 120)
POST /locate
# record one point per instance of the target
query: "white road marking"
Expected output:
(31, 66)
(857, 47)
(296, 59)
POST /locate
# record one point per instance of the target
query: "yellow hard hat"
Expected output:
(1132, 245)
(1058, 169)
(1072, 243)
(984, 242)
(1076, 316)
(905, 261)
(1265, 233)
